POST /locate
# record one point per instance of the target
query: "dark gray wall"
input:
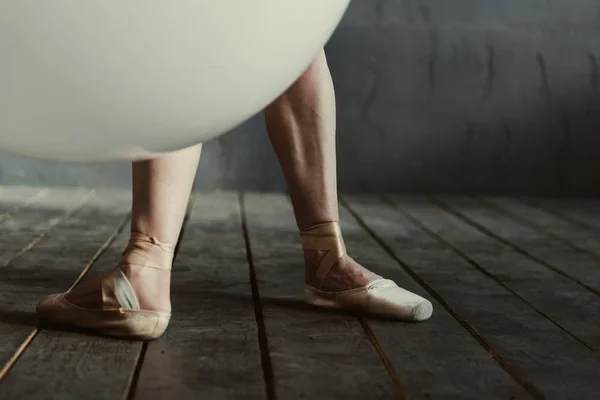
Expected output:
(465, 95)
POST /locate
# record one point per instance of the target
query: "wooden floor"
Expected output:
(515, 285)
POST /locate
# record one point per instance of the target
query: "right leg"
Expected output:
(134, 299)
(161, 189)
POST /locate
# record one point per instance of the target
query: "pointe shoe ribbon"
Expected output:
(118, 311)
(381, 298)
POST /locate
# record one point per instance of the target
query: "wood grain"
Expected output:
(534, 348)
(315, 354)
(13, 198)
(28, 222)
(577, 237)
(581, 212)
(572, 307)
(425, 355)
(61, 364)
(554, 254)
(18, 234)
(505, 326)
(210, 350)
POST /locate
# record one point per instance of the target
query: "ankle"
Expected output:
(316, 224)
(146, 263)
(316, 219)
(323, 247)
(312, 260)
(144, 251)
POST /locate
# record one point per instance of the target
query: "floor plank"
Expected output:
(15, 302)
(575, 236)
(545, 359)
(29, 221)
(13, 198)
(210, 350)
(581, 212)
(554, 254)
(20, 195)
(571, 306)
(314, 354)
(68, 365)
(425, 354)
(502, 320)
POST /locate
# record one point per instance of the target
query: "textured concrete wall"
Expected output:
(434, 95)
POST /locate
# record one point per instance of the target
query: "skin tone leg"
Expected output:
(161, 190)
(301, 125)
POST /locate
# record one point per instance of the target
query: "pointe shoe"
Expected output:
(118, 313)
(380, 298)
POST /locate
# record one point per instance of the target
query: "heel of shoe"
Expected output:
(109, 306)
(161, 326)
(137, 325)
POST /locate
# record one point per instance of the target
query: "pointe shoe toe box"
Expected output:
(129, 324)
(379, 298)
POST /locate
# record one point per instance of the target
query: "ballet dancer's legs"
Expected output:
(301, 126)
(133, 301)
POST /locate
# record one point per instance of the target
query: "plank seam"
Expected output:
(480, 268)
(528, 386)
(558, 214)
(499, 238)
(28, 202)
(17, 354)
(13, 360)
(38, 196)
(131, 387)
(84, 200)
(540, 229)
(129, 393)
(263, 340)
(387, 364)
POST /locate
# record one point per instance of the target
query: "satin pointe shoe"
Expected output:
(109, 306)
(380, 298)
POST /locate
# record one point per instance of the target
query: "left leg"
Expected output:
(301, 125)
